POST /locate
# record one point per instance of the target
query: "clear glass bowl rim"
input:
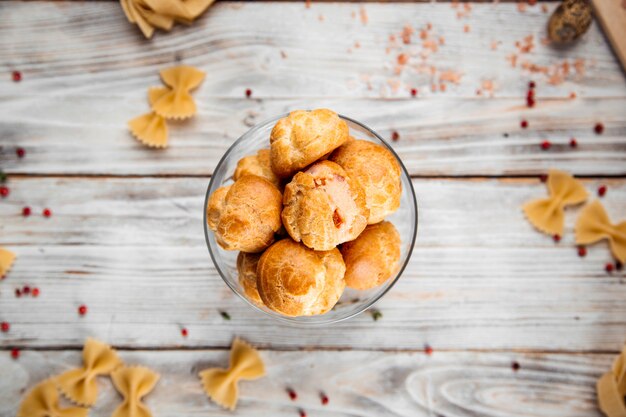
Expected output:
(293, 320)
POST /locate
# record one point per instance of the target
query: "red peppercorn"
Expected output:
(556, 238)
(602, 190)
(82, 310)
(26, 289)
(20, 152)
(573, 143)
(184, 332)
(543, 177)
(26, 211)
(4, 191)
(608, 267)
(35, 292)
(545, 145)
(395, 136)
(530, 101)
(324, 399)
(413, 92)
(515, 366)
(292, 394)
(15, 353)
(582, 251)
(598, 128)
(47, 212)
(16, 76)
(248, 93)
(524, 124)
(4, 326)
(428, 350)
(531, 84)
(302, 413)
(18, 293)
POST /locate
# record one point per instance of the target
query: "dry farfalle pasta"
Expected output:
(547, 214)
(150, 128)
(161, 14)
(6, 261)
(80, 385)
(611, 388)
(43, 401)
(594, 224)
(172, 102)
(175, 102)
(133, 382)
(221, 384)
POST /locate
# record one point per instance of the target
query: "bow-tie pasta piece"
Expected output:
(220, 385)
(134, 383)
(137, 12)
(611, 388)
(176, 102)
(154, 19)
(80, 385)
(43, 401)
(183, 11)
(6, 261)
(151, 14)
(150, 128)
(547, 214)
(593, 225)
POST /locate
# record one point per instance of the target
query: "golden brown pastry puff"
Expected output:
(373, 257)
(246, 266)
(259, 165)
(324, 207)
(375, 169)
(245, 215)
(303, 137)
(294, 280)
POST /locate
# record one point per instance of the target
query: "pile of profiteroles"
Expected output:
(307, 215)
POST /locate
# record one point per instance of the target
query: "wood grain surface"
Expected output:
(357, 383)
(438, 137)
(89, 48)
(483, 288)
(70, 110)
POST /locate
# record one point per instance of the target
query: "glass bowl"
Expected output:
(352, 302)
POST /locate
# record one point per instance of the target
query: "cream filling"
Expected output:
(344, 207)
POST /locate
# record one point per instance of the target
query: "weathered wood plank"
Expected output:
(287, 50)
(71, 134)
(368, 384)
(133, 251)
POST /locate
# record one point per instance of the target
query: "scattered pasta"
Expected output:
(80, 385)
(547, 214)
(176, 102)
(220, 385)
(594, 224)
(172, 102)
(43, 401)
(611, 388)
(133, 382)
(150, 128)
(6, 261)
(161, 14)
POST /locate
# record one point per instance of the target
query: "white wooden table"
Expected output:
(483, 288)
